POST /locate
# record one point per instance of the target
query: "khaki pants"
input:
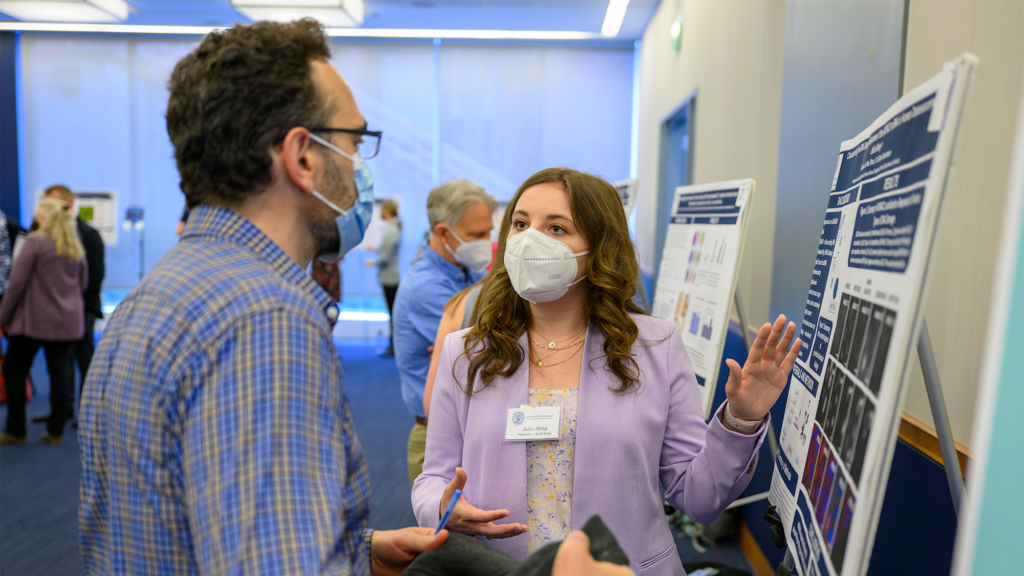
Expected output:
(417, 447)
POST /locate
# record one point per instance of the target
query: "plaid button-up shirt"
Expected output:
(216, 436)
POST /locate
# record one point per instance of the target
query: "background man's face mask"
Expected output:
(351, 223)
(541, 268)
(475, 254)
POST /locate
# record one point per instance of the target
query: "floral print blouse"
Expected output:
(549, 472)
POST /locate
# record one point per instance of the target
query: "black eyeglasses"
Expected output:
(368, 145)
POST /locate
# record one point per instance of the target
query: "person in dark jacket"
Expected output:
(15, 233)
(92, 243)
(42, 308)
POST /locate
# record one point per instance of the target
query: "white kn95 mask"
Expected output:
(474, 254)
(541, 268)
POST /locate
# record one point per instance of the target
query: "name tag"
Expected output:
(533, 423)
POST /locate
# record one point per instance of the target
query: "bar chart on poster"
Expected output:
(860, 323)
(697, 277)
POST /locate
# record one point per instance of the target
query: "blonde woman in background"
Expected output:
(43, 308)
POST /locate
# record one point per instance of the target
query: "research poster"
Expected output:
(697, 277)
(860, 323)
(98, 208)
(627, 193)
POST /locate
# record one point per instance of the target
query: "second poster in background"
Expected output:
(697, 276)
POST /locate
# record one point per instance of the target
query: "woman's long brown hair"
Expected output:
(492, 345)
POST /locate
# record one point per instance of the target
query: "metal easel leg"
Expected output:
(773, 442)
(941, 417)
(788, 561)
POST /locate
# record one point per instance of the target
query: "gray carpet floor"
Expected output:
(39, 483)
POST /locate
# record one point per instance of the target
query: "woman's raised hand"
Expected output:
(753, 390)
(469, 519)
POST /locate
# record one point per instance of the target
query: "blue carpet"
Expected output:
(39, 483)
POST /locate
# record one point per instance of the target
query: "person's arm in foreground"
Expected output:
(451, 321)
(704, 467)
(274, 478)
(574, 559)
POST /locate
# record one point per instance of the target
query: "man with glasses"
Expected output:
(216, 435)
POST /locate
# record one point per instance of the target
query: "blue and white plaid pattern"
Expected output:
(216, 436)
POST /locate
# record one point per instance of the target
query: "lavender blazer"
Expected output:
(625, 444)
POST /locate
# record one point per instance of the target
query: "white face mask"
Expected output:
(541, 268)
(475, 254)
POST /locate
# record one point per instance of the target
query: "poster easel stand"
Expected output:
(942, 430)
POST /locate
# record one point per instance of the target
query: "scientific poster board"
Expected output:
(627, 192)
(861, 321)
(98, 208)
(697, 278)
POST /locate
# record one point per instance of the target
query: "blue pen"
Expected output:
(448, 512)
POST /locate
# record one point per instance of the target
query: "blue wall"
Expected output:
(9, 197)
(94, 119)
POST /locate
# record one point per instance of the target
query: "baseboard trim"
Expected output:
(758, 561)
(923, 437)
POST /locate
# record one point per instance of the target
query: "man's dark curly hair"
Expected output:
(234, 97)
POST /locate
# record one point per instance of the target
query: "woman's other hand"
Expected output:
(469, 519)
(753, 390)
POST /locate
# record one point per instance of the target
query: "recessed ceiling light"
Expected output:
(66, 10)
(541, 35)
(613, 17)
(345, 13)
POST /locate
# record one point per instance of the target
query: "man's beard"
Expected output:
(324, 229)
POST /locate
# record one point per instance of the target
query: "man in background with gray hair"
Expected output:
(455, 258)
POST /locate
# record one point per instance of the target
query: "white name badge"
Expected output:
(533, 423)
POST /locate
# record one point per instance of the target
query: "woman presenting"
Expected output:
(559, 329)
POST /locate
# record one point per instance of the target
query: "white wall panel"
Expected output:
(959, 293)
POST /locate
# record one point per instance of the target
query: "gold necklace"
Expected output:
(540, 363)
(552, 345)
(558, 349)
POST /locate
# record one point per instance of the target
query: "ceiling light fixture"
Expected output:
(346, 13)
(613, 17)
(66, 10)
(462, 34)
(410, 33)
